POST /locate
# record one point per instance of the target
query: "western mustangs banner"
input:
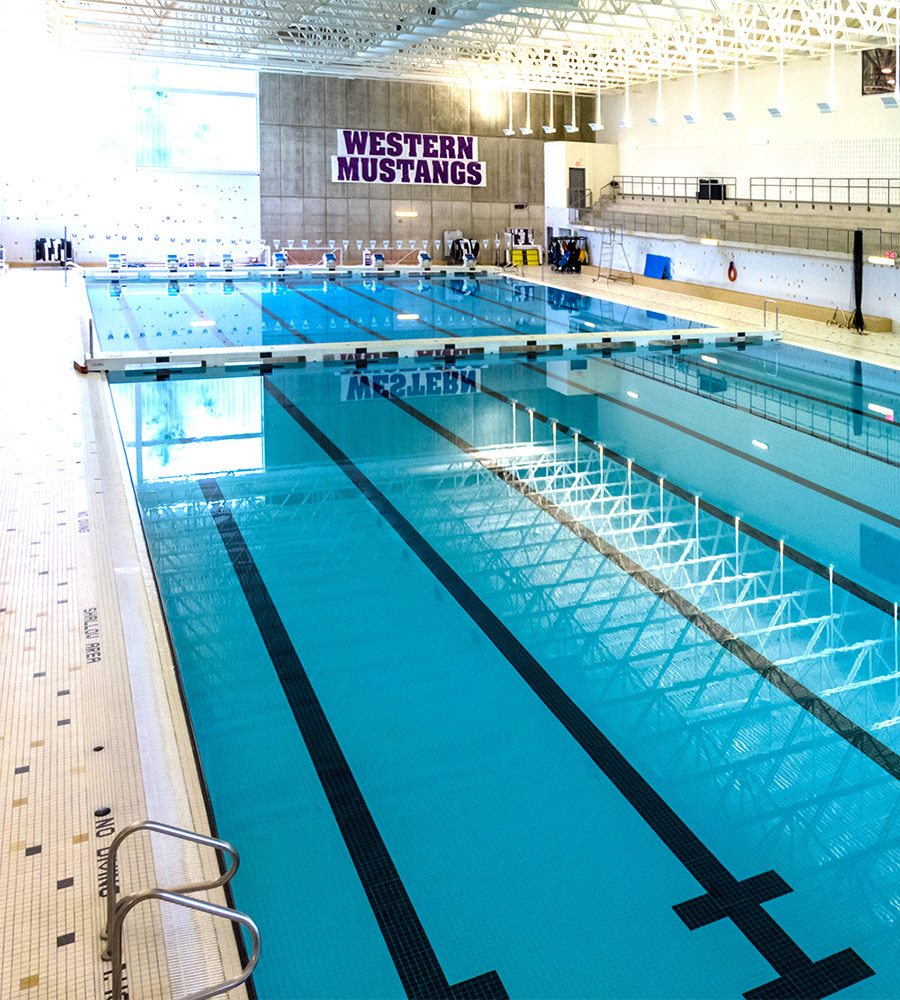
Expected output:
(428, 382)
(407, 158)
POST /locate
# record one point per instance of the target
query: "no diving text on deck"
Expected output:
(435, 382)
(407, 158)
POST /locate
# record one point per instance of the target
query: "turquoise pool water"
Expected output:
(135, 315)
(538, 679)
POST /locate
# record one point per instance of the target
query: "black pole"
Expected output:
(857, 319)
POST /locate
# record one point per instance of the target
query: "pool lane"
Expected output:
(412, 953)
(635, 951)
(724, 896)
(254, 313)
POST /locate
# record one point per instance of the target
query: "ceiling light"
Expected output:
(527, 129)
(887, 261)
(404, 214)
(708, 241)
(407, 315)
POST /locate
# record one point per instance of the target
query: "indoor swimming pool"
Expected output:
(552, 678)
(140, 315)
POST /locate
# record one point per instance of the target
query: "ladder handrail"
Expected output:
(152, 826)
(129, 902)
(765, 317)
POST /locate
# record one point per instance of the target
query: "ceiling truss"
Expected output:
(581, 44)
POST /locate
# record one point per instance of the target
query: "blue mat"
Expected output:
(656, 266)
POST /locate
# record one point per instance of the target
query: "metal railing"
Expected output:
(868, 191)
(579, 198)
(646, 186)
(829, 421)
(117, 910)
(834, 240)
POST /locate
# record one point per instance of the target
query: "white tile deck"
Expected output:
(85, 664)
(89, 718)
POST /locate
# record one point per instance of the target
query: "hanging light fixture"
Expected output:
(510, 130)
(779, 109)
(597, 126)
(550, 128)
(736, 97)
(828, 107)
(527, 130)
(571, 126)
(626, 121)
(659, 119)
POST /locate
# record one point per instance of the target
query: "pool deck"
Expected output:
(91, 718)
(86, 664)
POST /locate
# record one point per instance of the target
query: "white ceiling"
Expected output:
(559, 44)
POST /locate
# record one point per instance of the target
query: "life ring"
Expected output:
(732, 272)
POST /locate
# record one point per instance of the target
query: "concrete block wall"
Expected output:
(299, 119)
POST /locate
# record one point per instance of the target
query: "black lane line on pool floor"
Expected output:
(761, 463)
(808, 700)
(745, 528)
(413, 956)
(334, 312)
(273, 315)
(798, 975)
(856, 414)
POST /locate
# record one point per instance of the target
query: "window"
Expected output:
(195, 118)
(879, 71)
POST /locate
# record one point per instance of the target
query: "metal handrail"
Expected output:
(872, 192)
(129, 902)
(765, 317)
(831, 239)
(869, 191)
(649, 186)
(172, 831)
(579, 198)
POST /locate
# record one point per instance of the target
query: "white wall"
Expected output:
(69, 160)
(860, 139)
(819, 280)
(600, 161)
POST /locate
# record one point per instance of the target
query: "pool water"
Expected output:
(135, 315)
(535, 679)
